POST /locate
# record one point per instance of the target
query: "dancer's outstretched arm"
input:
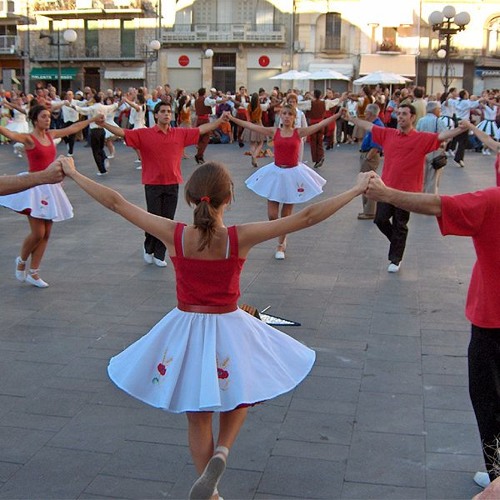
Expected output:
(420, 203)
(260, 129)
(160, 227)
(72, 129)
(311, 129)
(10, 184)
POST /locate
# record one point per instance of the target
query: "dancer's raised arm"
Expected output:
(160, 227)
(311, 129)
(267, 131)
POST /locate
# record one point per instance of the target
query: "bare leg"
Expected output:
(230, 424)
(111, 147)
(273, 208)
(201, 438)
(286, 210)
(36, 242)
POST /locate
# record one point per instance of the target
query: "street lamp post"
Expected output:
(69, 37)
(447, 23)
(151, 54)
(207, 54)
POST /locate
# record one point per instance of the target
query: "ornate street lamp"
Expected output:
(69, 37)
(151, 55)
(205, 56)
(447, 23)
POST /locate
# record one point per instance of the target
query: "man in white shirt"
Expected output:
(463, 106)
(69, 117)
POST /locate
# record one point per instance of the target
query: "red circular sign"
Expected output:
(264, 61)
(183, 60)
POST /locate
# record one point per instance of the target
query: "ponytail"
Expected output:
(204, 220)
(209, 187)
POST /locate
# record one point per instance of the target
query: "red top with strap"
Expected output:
(286, 149)
(207, 282)
(41, 156)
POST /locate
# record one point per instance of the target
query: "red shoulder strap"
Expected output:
(179, 229)
(232, 234)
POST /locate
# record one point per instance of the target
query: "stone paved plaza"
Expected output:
(384, 414)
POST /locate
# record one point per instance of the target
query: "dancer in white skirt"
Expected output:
(287, 180)
(488, 124)
(491, 143)
(207, 355)
(42, 204)
(19, 121)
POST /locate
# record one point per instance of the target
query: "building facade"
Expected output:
(228, 43)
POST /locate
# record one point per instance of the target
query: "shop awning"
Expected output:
(53, 73)
(125, 74)
(402, 64)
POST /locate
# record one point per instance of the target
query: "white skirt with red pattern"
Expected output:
(47, 201)
(286, 185)
(210, 362)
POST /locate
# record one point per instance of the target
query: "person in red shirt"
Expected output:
(404, 157)
(161, 148)
(475, 215)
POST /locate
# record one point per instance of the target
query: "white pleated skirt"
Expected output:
(488, 127)
(20, 127)
(286, 185)
(47, 201)
(210, 362)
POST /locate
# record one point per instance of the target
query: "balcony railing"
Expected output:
(236, 33)
(82, 5)
(48, 53)
(9, 44)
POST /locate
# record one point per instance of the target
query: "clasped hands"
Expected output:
(371, 185)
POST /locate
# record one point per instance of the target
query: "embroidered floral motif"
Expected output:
(44, 203)
(300, 189)
(223, 373)
(162, 367)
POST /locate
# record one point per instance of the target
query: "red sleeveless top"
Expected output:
(286, 149)
(207, 282)
(41, 156)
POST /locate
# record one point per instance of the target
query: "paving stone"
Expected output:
(392, 413)
(452, 439)
(285, 476)
(387, 459)
(54, 473)
(356, 491)
(392, 377)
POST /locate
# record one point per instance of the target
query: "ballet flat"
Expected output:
(36, 282)
(20, 275)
